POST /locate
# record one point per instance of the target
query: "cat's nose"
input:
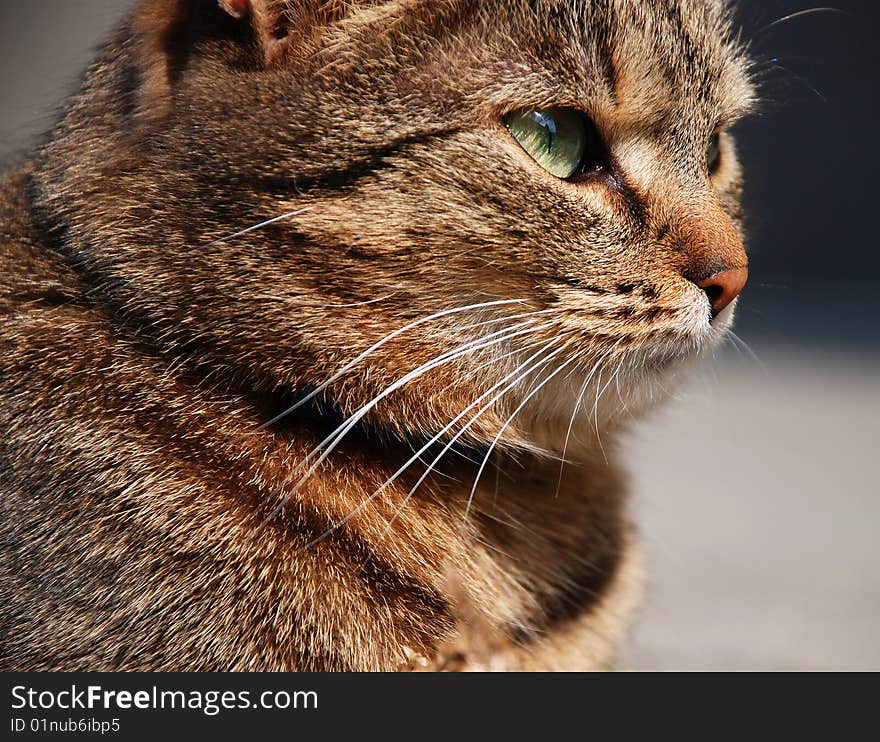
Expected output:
(714, 257)
(722, 288)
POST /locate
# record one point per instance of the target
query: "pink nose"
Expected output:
(724, 287)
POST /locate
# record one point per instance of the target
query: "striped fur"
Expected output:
(166, 506)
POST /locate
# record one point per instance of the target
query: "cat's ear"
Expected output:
(265, 33)
(270, 20)
(287, 29)
(165, 34)
(279, 30)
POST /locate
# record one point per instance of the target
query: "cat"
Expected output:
(322, 321)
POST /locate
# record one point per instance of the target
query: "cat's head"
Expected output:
(546, 183)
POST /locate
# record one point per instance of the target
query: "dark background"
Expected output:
(812, 158)
(756, 491)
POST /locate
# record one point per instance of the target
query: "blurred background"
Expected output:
(756, 490)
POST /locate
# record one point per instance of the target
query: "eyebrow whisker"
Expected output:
(261, 225)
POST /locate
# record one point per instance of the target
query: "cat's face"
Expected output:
(410, 133)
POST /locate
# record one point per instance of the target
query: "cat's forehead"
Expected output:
(648, 59)
(667, 65)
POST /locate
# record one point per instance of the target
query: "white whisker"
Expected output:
(345, 369)
(476, 416)
(799, 14)
(508, 318)
(295, 301)
(261, 225)
(596, 405)
(748, 349)
(479, 344)
(329, 444)
(506, 425)
(577, 406)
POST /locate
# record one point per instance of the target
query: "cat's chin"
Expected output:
(698, 337)
(632, 384)
(666, 367)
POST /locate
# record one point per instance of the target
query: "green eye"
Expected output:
(713, 153)
(557, 138)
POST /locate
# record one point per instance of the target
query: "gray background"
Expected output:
(755, 489)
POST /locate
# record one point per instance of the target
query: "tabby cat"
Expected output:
(322, 318)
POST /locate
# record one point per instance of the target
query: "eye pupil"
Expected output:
(561, 140)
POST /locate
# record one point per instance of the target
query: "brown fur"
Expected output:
(151, 520)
